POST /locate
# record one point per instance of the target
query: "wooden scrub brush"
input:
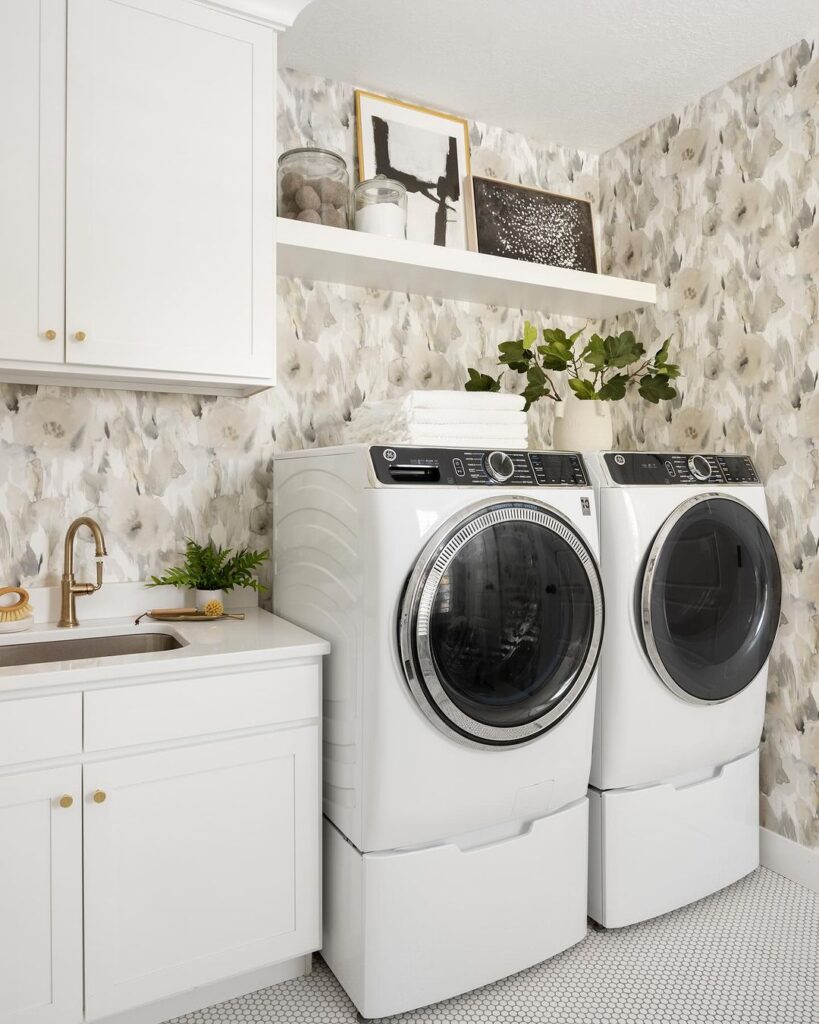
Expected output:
(16, 616)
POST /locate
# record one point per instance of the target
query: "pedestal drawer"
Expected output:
(155, 712)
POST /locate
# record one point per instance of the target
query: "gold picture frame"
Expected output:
(412, 117)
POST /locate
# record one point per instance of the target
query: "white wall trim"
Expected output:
(785, 857)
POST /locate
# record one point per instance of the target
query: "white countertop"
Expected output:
(208, 646)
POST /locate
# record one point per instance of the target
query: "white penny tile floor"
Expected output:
(747, 955)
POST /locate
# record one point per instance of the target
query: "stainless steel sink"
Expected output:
(78, 648)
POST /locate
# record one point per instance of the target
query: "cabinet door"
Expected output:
(32, 169)
(170, 190)
(41, 898)
(201, 863)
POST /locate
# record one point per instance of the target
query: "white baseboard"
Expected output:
(785, 857)
(210, 995)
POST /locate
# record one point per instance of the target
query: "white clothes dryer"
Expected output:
(459, 590)
(693, 593)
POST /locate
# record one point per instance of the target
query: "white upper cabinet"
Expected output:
(137, 208)
(170, 189)
(32, 143)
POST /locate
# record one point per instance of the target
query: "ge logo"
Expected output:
(619, 460)
(389, 455)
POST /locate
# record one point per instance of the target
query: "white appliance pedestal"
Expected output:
(653, 849)
(407, 928)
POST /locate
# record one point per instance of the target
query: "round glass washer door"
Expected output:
(710, 600)
(501, 623)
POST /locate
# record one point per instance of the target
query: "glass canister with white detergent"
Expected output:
(314, 186)
(381, 207)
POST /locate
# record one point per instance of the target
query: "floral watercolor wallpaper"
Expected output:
(718, 205)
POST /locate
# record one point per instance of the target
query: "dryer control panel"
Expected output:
(477, 467)
(642, 468)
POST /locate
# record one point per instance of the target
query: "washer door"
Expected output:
(710, 598)
(501, 623)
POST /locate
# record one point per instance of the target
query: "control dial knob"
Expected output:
(499, 466)
(700, 468)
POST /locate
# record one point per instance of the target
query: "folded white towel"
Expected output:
(443, 417)
(432, 432)
(488, 401)
(469, 441)
(402, 421)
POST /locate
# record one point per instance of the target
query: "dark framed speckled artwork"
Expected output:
(524, 223)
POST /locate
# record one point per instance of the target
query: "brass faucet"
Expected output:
(70, 589)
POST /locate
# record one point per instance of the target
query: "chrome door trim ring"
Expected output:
(416, 657)
(645, 597)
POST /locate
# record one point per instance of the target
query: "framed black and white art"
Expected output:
(524, 223)
(428, 152)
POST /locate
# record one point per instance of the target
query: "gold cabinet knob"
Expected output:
(50, 335)
(80, 336)
(99, 796)
(66, 801)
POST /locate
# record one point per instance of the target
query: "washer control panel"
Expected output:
(476, 467)
(641, 468)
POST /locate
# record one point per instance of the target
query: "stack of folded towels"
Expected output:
(458, 419)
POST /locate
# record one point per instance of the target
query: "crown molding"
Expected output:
(278, 14)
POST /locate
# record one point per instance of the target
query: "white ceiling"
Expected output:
(585, 73)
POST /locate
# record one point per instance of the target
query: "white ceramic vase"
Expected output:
(201, 597)
(582, 425)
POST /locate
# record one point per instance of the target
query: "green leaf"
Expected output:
(655, 388)
(615, 388)
(533, 393)
(514, 355)
(481, 382)
(594, 354)
(535, 375)
(582, 388)
(557, 352)
(662, 355)
(529, 334)
(669, 370)
(552, 335)
(622, 349)
(537, 386)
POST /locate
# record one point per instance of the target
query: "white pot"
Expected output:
(201, 597)
(582, 425)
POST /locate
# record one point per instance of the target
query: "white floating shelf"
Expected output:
(318, 253)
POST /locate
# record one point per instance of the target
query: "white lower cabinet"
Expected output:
(148, 876)
(41, 897)
(200, 863)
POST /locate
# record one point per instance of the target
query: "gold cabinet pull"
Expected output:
(66, 800)
(80, 336)
(50, 335)
(99, 796)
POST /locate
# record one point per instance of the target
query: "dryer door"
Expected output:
(710, 598)
(501, 623)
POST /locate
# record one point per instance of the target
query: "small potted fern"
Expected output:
(210, 571)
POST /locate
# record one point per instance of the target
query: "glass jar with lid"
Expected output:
(381, 207)
(314, 186)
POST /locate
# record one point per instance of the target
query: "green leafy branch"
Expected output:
(601, 369)
(213, 568)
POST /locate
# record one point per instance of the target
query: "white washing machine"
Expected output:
(693, 591)
(460, 592)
